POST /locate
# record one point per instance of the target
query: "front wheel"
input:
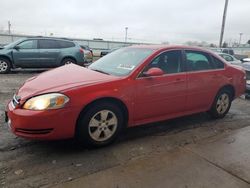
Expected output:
(221, 104)
(5, 66)
(99, 125)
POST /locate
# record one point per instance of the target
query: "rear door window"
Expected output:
(48, 44)
(198, 61)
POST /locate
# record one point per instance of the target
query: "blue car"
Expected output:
(40, 52)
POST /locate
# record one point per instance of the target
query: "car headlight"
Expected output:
(47, 101)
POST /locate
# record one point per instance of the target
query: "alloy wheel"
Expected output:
(3, 66)
(103, 125)
(222, 103)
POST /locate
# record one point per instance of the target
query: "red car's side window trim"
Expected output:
(165, 75)
(209, 70)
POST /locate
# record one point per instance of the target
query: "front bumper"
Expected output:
(42, 125)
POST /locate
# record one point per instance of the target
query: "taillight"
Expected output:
(81, 50)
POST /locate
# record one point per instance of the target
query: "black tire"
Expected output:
(68, 61)
(5, 65)
(216, 110)
(84, 132)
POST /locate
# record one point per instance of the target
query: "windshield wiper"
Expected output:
(100, 71)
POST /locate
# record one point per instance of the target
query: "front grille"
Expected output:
(34, 131)
(15, 101)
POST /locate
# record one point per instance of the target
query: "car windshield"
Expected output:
(121, 62)
(11, 45)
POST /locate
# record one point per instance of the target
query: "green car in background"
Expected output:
(40, 52)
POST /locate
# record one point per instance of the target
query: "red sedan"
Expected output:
(129, 87)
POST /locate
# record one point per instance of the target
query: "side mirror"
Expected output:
(153, 72)
(17, 47)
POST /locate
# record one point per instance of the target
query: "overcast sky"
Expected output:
(147, 20)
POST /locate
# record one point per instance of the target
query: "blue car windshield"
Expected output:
(13, 44)
(121, 62)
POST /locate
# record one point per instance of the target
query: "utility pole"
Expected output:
(9, 26)
(223, 23)
(240, 38)
(126, 34)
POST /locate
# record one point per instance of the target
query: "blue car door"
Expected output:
(26, 54)
(49, 52)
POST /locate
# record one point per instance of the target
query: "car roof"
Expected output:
(49, 38)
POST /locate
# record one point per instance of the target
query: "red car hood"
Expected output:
(60, 79)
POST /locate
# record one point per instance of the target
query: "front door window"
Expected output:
(28, 44)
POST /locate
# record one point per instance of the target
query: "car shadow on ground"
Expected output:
(160, 128)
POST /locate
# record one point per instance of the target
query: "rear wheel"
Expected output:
(221, 104)
(5, 66)
(68, 61)
(100, 125)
